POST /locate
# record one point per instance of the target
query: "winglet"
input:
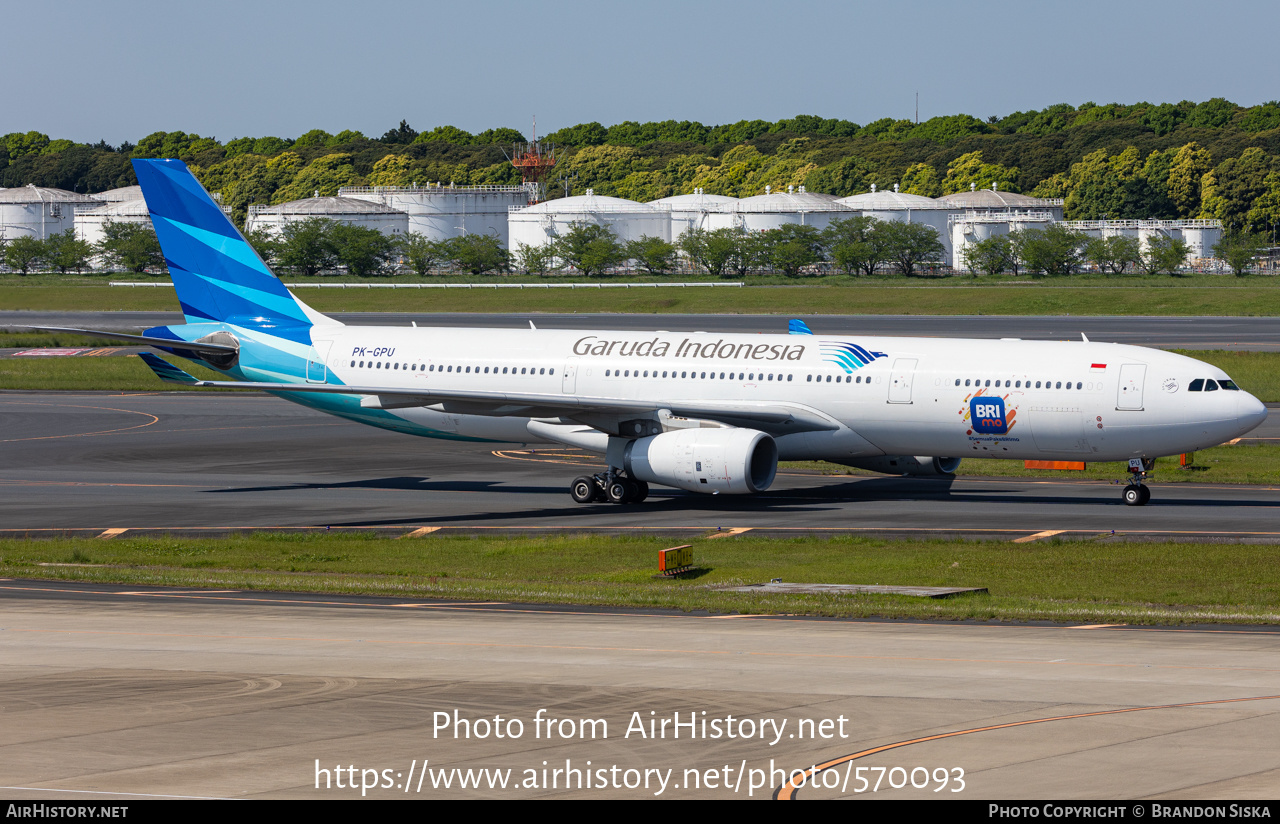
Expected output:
(798, 327)
(166, 371)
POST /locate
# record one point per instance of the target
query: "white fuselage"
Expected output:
(911, 396)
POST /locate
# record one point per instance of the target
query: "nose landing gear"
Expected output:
(1137, 493)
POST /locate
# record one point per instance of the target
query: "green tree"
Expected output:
(793, 247)
(590, 248)
(477, 254)
(23, 253)
(855, 245)
(1163, 254)
(1114, 254)
(922, 179)
(1238, 250)
(712, 250)
(990, 256)
(1229, 191)
(422, 253)
(446, 134)
(307, 246)
(131, 247)
(324, 175)
(654, 254)
(910, 244)
(968, 170)
(535, 260)
(64, 252)
(1191, 163)
(1055, 250)
(363, 251)
(752, 251)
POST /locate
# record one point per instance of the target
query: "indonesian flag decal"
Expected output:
(1098, 367)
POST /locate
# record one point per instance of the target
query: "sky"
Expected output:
(89, 71)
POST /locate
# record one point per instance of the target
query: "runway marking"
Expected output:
(729, 533)
(154, 419)
(789, 790)
(420, 531)
(113, 532)
(1046, 534)
(1096, 626)
(513, 455)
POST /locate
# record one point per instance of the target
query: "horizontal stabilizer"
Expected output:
(217, 348)
(166, 371)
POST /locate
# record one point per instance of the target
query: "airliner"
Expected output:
(703, 412)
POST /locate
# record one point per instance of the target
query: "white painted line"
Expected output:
(420, 531)
(111, 533)
(1048, 533)
(729, 533)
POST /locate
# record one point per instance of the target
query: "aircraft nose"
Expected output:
(1250, 412)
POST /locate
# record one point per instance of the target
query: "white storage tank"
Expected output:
(774, 209)
(119, 195)
(348, 210)
(994, 200)
(895, 205)
(91, 223)
(39, 212)
(972, 227)
(691, 211)
(442, 212)
(541, 223)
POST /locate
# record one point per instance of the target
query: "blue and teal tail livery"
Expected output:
(166, 371)
(217, 274)
(795, 326)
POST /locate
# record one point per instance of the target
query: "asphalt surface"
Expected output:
(86, 462)
(1254, 333)
(129, 693)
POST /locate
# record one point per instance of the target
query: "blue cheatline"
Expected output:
(216, 273)
(798, 327)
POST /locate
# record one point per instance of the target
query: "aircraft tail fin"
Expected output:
(217, 274)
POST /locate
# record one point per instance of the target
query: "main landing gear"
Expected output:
(608, 486)
(1137, 493)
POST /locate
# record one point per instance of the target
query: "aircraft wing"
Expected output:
(774, 418)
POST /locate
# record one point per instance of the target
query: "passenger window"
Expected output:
(788, 378)
(1197, 385)
(1079, 385)
(809, 378)
(1211, 385)
(1059, 386)
(828, 379)
(966, 381)
(1037, 384)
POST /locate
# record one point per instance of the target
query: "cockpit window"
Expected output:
(1210, 385)
(1229, 384)
(1197, 385)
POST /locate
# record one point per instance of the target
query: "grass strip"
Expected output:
(1259, 298)
(1104, 580)
(1244, 463)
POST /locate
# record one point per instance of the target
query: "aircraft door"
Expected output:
(569, 383)
(1129, 393)
(904, 370)
(317, 369)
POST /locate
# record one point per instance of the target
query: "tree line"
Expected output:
(1210, 159)
(129, 247)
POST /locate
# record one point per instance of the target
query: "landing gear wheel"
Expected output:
(642, 491)
(1136, 495)
(619, 492)
(583, 489)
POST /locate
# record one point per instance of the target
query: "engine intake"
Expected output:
(733, 461)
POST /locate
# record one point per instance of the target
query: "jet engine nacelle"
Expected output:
(729, 460)
(907, 464)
